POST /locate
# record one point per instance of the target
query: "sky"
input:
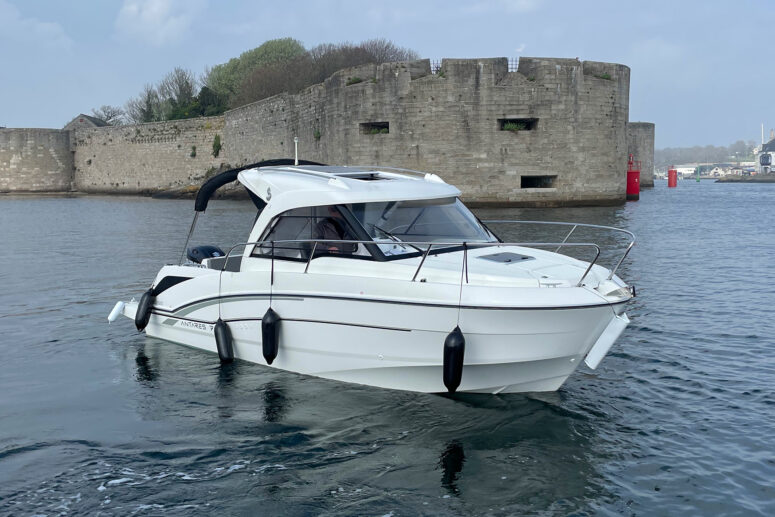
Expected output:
(702, 71)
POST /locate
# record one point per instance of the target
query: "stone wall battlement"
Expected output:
(554, 132)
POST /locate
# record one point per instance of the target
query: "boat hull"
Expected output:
(507, 350)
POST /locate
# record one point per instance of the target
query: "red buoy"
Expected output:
(672, 177)
(633, 180)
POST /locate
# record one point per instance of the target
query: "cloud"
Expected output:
(31, 31)
(520, 48)
(157, 22)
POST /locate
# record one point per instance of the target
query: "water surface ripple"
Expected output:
(98, 419)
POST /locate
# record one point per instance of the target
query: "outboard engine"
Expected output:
(197, 253)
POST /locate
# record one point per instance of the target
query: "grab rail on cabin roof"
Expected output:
(377, 168)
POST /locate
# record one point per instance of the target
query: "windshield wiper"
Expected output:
(394, 238)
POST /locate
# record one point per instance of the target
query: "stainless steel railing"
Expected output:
(278, 244)
(573, 228)
(464, 280)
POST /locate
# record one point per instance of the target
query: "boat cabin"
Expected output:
(307, 211)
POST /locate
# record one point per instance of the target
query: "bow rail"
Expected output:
(275, 244)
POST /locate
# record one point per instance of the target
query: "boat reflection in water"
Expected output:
(451, 463)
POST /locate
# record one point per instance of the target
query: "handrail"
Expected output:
(567, 236)
(575, 225)
(377, 168)
(465, 245)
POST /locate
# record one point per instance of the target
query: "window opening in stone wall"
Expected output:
(517, 124)
(538, 181)
(375, 128)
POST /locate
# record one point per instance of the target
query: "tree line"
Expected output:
(279, 65)
(740, 151)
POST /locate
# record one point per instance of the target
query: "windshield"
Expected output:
(430, 220)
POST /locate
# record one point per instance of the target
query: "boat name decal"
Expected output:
(196, 325)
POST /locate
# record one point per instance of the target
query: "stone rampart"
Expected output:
(35, 160)
(568, 144)
(554, 132)
(146, 157)
(640, 144)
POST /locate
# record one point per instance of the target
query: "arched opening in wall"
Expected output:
(538, 181)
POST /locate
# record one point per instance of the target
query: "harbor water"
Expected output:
(97, 419)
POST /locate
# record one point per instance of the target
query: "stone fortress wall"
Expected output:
(35, 160)
(144, 158)
(570, 145)
(640, 144)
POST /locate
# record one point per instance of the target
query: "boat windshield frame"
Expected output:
(382, 244)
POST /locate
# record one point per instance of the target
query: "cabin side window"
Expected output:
(324, 224)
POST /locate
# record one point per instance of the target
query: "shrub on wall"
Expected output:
(514, 126)
(193, 151)
(217, 146)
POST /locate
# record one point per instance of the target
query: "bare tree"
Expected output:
(276, 78)
(146, 107)
(178, 86)
(112, 115)
(329, 58)
(384, 51)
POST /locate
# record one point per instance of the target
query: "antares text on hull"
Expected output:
(381, 276)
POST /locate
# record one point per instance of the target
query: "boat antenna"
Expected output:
(296, 150)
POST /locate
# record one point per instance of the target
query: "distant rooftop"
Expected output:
(85, 121)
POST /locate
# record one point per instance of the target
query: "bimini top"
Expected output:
(316, 185)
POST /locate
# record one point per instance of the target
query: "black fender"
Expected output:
(143, 314)
(223, 341)
(270, 335)
(454, 352)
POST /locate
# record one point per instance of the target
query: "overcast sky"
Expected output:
(702, 71)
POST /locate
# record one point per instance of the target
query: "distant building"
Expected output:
(767, 157)
(85, 121)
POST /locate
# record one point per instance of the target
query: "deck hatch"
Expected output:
(506, 257)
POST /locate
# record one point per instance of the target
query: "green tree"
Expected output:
(225, 79)
(210, 102)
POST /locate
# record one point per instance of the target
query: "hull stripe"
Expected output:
(206, 302)
(171, 320)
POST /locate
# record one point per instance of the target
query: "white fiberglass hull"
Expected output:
(392, 343)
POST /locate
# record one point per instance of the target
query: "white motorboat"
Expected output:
(382, 277)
